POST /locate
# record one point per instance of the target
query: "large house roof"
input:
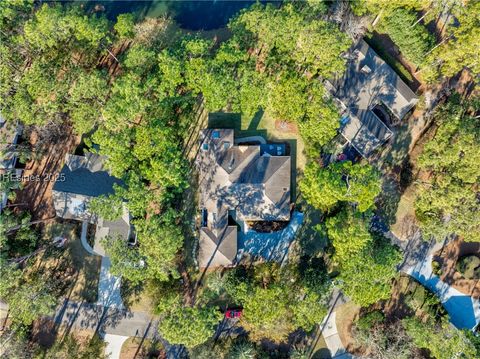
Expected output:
(215, 251)
(238, 178)
(368, 81)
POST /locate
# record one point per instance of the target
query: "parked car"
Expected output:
(233, 313)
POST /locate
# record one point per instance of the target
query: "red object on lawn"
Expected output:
(233, 313)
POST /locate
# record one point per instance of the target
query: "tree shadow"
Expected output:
(131, 293)
(225, 120)
(253, 125)
(310, 237)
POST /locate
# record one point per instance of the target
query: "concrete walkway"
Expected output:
(108, 284)
(332, 338)
(109, 287)
(114, 345)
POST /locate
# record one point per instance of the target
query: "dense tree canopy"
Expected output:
(27, 300)
(367, 277)
(323, 188)
(414, 41)
(460, 48)
(277, 301)
(189, 326)
(375, 7)
(441, 339)
(348, 231)
(447, 203)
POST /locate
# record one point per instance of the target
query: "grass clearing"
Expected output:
(405, 215)
(137, 301)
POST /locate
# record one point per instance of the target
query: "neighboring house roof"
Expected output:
(255, 185)
(9, 135)
(369, 81)
(81, 179)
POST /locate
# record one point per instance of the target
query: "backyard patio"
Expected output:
(272, 246)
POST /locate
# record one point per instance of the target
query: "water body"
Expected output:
(190, 15)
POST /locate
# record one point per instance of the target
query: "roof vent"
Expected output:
(365, 69)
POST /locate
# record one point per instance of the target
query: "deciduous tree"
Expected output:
(189, 326)
(323, 188)
(442, 339)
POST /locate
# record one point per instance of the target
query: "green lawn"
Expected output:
(141, 348)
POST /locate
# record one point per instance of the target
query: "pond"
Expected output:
(190, 15)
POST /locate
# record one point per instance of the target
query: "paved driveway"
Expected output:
(104, 320)
(332, 338)
(270, 246)
(108, 285)
(114, 345)
(464, 310)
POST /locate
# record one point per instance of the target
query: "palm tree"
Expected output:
(299, 354)
(242, 350)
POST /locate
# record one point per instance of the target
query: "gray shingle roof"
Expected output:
(256, 187)
(215, 251)
(81, 179)
(369, 81)
(85, 176)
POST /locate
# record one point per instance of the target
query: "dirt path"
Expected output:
(39, 175)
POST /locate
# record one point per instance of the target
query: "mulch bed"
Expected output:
(267, 227)
(287, 127)
(448, 258)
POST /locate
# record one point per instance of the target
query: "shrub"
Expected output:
(469, 266)
(370, 320)
(436, 268)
